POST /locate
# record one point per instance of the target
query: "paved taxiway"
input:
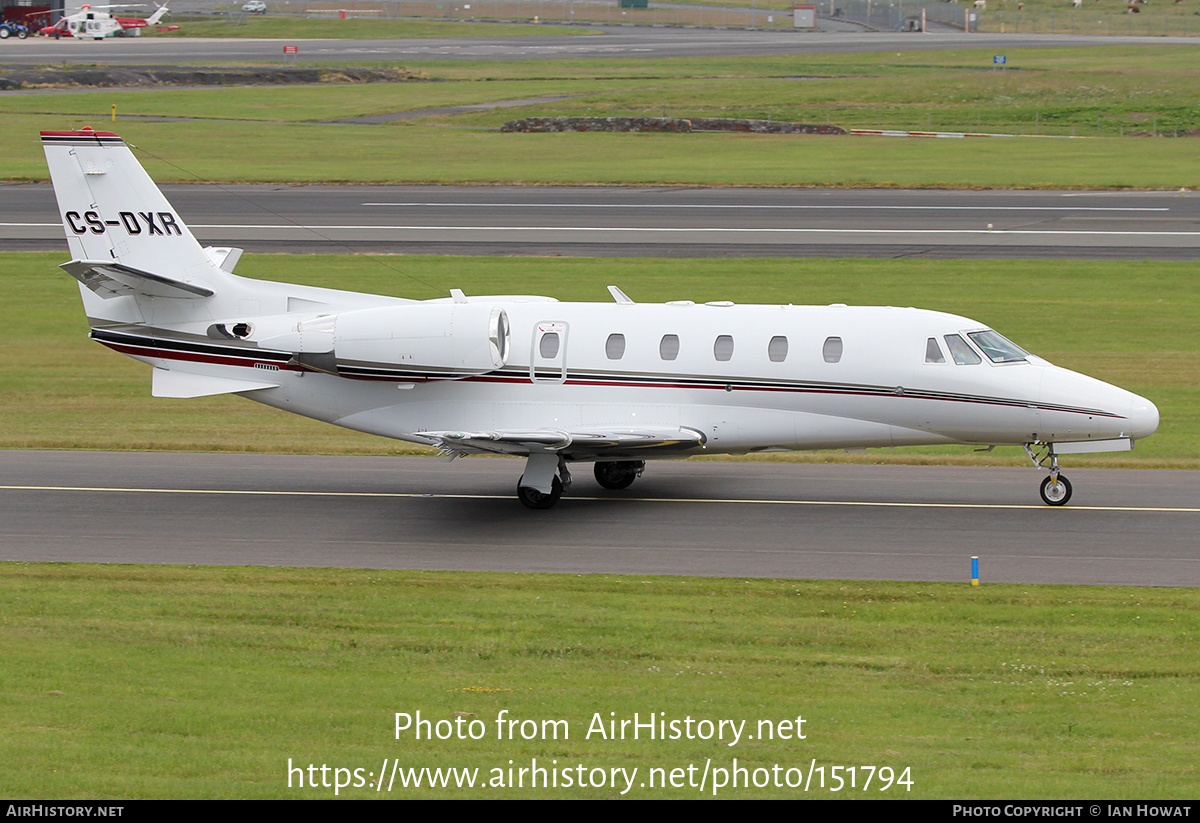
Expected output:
(686, 518)
(613, 42)
(666, 222)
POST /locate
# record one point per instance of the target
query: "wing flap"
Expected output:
(575, 444)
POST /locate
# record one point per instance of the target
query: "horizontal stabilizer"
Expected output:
(577, 444)
(171, 383)
(110, 279)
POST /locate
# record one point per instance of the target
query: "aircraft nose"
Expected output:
(1143, 418)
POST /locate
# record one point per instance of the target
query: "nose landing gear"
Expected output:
(1056, 489)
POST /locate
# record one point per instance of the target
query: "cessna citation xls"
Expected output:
(558, 383)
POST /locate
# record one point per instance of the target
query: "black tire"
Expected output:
(21, 35)
(534, 499)
(1056, 494)
(618, 474)
(5, 34)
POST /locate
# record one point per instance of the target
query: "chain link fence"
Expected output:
(546, 11)
(898, 15)
(882, 15)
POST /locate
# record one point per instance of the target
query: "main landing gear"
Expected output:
(546, 476)
(535, 499)
(1056, 489)
(618, 474)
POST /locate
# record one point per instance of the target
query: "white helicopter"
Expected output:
(89, 21)
(615, 384)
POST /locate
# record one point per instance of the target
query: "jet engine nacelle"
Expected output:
(433, 340)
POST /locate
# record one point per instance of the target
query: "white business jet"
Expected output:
(614, 384)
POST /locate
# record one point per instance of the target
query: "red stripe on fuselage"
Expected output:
(249, 361)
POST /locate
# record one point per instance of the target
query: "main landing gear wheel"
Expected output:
(1056, 491)
(618, 474)
(534, 499)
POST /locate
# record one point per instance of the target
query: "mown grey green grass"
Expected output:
(130, 682)
(191, 152)
(952, 93)
(1127, 323)
(1112, 100)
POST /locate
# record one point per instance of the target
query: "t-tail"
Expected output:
(153, 293)
(126, 241)
(159, 13)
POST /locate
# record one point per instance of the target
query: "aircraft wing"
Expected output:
(576, 445)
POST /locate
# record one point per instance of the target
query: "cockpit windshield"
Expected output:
(997, 347)
(961, 351)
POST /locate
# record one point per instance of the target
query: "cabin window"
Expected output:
(548, 345)
(723, 347)
(997, 347)
(832, 350)
(614, 347)
(962, 353)
(668, 347)
(933, 352)
(777, 349)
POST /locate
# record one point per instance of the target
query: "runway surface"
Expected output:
(612, 42)
(681, 518)
(661, 222)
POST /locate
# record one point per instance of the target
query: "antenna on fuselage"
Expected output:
(620, 296)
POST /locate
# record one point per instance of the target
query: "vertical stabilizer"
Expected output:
(114, 214)
(158, 15)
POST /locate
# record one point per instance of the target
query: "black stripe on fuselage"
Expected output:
(167, 345)
(190, 349)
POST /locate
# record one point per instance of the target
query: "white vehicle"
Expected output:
(255, 7)
(90, 22)
(615, 384)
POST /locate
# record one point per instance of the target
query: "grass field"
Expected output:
(197, 152)
(1117, 98)
(170, 682)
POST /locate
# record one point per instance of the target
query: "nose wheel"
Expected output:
(1056, 490)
